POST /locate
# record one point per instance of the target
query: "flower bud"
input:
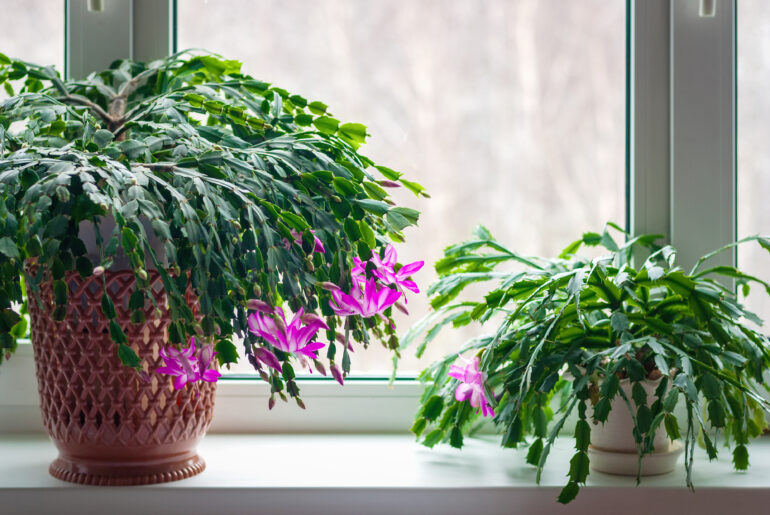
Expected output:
(260, 305)
(299, 402)
(142, 274)
(320, 367)
(271, 402)
(98, 271)
(401, 308)
(389, 184)
(336, 373)
(328, 286)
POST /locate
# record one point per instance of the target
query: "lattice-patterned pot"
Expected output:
(110, 426)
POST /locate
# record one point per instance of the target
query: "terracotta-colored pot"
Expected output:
(110, 426)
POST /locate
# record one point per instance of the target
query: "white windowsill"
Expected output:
(372, 474)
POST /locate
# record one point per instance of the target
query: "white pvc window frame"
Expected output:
(680, 182)
(682, 124)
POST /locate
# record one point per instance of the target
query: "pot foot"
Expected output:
(627, 463)
(123, 474)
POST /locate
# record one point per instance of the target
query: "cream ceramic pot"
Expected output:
(617, 433)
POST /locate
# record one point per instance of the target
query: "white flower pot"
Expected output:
(613, 449)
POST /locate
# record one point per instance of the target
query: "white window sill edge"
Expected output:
(372, 474)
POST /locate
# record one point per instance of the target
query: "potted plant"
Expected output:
(602, 339)
(154, 212)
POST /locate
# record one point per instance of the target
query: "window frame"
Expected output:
(675, 184)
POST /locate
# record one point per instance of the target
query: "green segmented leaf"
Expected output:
(128, 356)
(741, 457)
(433, 407)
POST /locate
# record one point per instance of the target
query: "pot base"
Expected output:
(627, 463)
(125, 474)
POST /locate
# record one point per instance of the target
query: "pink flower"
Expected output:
(385, 272)
(186, 367)
(370, 301)
(471, 385)
(207, 372)
(181, 364)
(293, 337)
(317, 245)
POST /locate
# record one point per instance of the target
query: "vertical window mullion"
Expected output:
(649, 115)
(702, 128)
(99, 33)
(682, 124)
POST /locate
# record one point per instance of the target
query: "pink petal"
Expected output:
(318, 246)
(410, 285)
(207, 354)
(309, 349)
(390, 298)
(370, 298)
(457, 372)
(345, 304)
(463, 392)
(390, 257)
(268, 358)
(211, 376)
(410, 269)
(168, 371)
(180, 381)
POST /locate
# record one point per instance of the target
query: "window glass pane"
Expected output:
(509, 112)
(753, 137)
(33, 30)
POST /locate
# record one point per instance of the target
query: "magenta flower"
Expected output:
(370, 301)
(182, 365)
(471, 385)
(186, 367)
(293, 337)
(207, 372)
(385, 272)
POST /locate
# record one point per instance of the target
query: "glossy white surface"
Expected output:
(372, 474)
